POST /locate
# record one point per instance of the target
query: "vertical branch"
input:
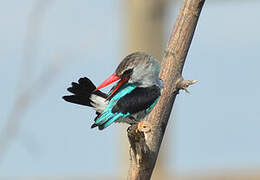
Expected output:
(145, 18)
(146, 137)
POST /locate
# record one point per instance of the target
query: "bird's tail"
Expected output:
(83, 93)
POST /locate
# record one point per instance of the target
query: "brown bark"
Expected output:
(145, 32)
(145, 138)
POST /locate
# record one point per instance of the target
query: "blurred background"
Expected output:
(46, 44)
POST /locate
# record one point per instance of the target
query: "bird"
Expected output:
(130, 100)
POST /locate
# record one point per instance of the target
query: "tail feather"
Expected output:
(82, 92)
(77, 100)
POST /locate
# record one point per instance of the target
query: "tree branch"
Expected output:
(145, 138)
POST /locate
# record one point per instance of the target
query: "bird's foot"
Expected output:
(144, 126)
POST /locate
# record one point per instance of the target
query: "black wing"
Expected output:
(137, 100)
(82, 91)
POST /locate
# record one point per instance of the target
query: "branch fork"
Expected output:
(137, 135)
(182, 84)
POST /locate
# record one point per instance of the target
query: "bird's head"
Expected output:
(137, 68)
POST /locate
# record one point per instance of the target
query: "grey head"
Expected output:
(141, 68)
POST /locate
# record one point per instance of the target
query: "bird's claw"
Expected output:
(144, 127)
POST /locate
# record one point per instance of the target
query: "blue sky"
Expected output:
(215, 128)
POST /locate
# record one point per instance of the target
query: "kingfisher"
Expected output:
(130, 100)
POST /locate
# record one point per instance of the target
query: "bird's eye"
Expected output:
(127, 73)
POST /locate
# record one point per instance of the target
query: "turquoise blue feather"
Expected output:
(117, 116)
(108, 117)
(148, 110)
